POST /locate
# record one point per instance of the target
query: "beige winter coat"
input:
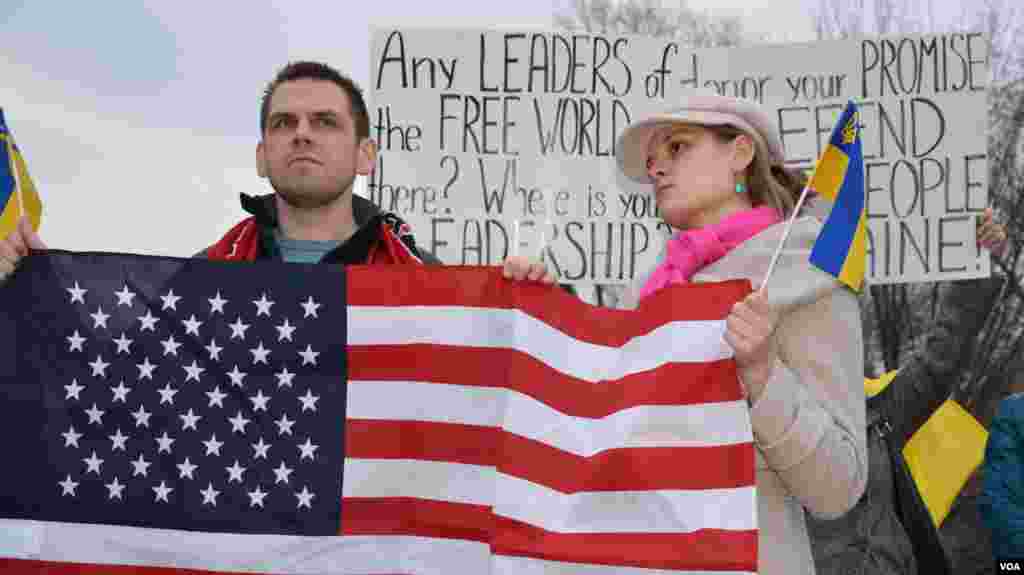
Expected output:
(809, 423)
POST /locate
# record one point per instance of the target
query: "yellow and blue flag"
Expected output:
(841, 247)
(18, 195)
(942, 454)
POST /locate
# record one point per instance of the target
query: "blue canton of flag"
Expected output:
(170, 393)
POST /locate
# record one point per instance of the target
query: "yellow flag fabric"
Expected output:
(943, 453)
(18, 195)
(874, 386)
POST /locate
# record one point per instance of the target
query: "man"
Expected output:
(315, 140)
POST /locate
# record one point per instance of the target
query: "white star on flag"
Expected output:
(123, 344)
(216, 397)
(73, 389)
(284, 425)
(118, 440)
(141, 466)
(146, 369)
(115, 487)
(212, 445)
(259, 354)
(141, 416)
(95, 415)
(310, 307)
(256, 497)
(68, 485)
(284, 331)
(93, 463)
(162, 491)
(284, 377)
(148, 322)
(76, 342)
(186, 468)
(164, 442)
(238, 423)
(77, 294)
(307, 449)
(71, 437)
(99, 318)
(238, 328)
(263, 306)
(236, 376)
(167, 394)
(282, 473)
(210, 495)
(259, 401)
(309, 356)
(192, 325)
(193, 371)
(235, 472)
(214, 350)
(170, 300)
(170, 346)
(309, 401)
(217, 304)
(99, 367)
(125, 296)
(260, 449)
(120, 392)
(189, 420)
(305, 497)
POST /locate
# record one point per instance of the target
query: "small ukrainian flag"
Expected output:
(18, 194)
(942, 454)
(841, 247)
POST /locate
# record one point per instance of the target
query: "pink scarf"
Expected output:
(690, 250)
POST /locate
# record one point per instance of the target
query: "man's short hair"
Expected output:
(318, 71)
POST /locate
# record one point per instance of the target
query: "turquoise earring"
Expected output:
(740, 188)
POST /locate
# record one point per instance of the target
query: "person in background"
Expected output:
(877, 536)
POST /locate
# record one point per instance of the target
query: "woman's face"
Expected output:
(695, 174)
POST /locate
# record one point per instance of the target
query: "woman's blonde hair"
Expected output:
(767, 183)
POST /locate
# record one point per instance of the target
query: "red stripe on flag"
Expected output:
(33, 567)
(450, 442)
(406, 516)
(629, 469)
(486, 288)
(690, 383)
(707, 549)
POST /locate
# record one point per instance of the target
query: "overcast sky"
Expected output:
(139, 119)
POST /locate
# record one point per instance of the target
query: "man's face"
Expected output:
(310, 151)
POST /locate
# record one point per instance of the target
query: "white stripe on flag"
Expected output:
(656, 511)
(724, 423)
(284, 554)
(437, 480)
(689, 341)
(529, 566)
(675, 511)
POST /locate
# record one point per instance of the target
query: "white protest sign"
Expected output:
(499, 142)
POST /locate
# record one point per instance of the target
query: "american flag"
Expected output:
(163, 415)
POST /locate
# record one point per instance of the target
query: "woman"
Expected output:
(715, 167)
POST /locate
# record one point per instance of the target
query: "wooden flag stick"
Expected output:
(13, 160)
(515, 237)
(785, 236)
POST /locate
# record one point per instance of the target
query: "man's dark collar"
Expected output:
(353, 251)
